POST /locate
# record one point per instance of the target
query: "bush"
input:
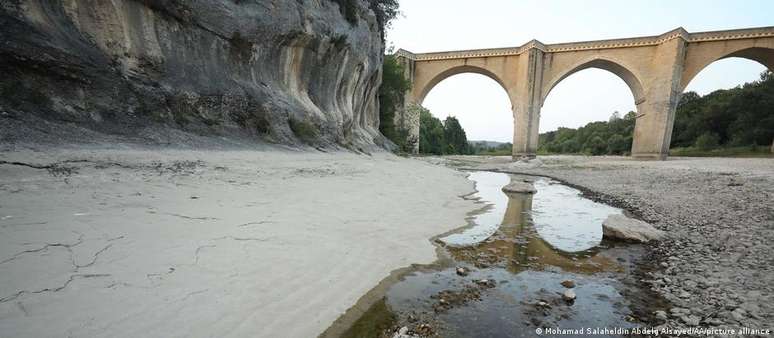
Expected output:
(617, 145)
(596, 146)
(304, 130)
(348, 9)
(707, 141)
(385, 11)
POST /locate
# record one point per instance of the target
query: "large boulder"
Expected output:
(629, 229)
(520, 187)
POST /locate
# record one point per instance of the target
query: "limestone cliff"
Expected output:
(293, 72)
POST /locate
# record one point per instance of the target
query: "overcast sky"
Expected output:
(481, 104)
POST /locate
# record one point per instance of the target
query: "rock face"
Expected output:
(629, 229)
(291, 72)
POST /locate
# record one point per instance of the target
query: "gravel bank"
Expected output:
(715, 265)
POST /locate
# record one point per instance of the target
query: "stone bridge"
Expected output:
(656, 68)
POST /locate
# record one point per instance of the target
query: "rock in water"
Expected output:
(569, 296)
(462, 271)
(519, 187)
(568, 284)
(294, 72)
(629, 229)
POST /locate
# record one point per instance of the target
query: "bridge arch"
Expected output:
(762, 55)
(422, 89)
(615, 67)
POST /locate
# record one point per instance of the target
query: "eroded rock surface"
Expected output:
(293, 72)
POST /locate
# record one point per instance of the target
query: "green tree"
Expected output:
(740, 116)
(391, 98)
(617, 145)
(441, 138)
(385, 11)
(596, 146)
(431, 134)
(707, 141)
(569, 146)
(454, 137)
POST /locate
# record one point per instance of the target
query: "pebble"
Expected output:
(691, 320)
(568, 284)
(569, 295)
(738, 314)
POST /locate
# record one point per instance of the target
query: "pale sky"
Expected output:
(481, 104)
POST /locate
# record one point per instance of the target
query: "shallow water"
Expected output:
(561, 216)
(523, 246)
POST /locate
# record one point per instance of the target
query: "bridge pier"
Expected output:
(526, 102)
(656, 110)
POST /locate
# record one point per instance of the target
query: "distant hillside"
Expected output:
(486, 144)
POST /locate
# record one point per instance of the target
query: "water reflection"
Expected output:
(518, 244)
(560, 215)
(488, 186)
(528, 244)
(567, 220)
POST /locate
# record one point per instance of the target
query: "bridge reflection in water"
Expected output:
(516, 243)
(528, 245)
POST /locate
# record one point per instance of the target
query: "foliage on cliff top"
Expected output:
(385, 11)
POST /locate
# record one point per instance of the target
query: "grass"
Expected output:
(374, 322)
(746, 151)
(496, 152)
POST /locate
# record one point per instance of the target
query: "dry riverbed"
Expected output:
(715, 266)
(164, 243)
(278, 243)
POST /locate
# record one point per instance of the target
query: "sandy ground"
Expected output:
(715, 266)
(133, 243)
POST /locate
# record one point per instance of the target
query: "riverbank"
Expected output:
(132, 242)
(715, 266)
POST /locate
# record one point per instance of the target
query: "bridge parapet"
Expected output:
(734, 34)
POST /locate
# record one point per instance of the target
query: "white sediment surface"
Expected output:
(135, 243)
